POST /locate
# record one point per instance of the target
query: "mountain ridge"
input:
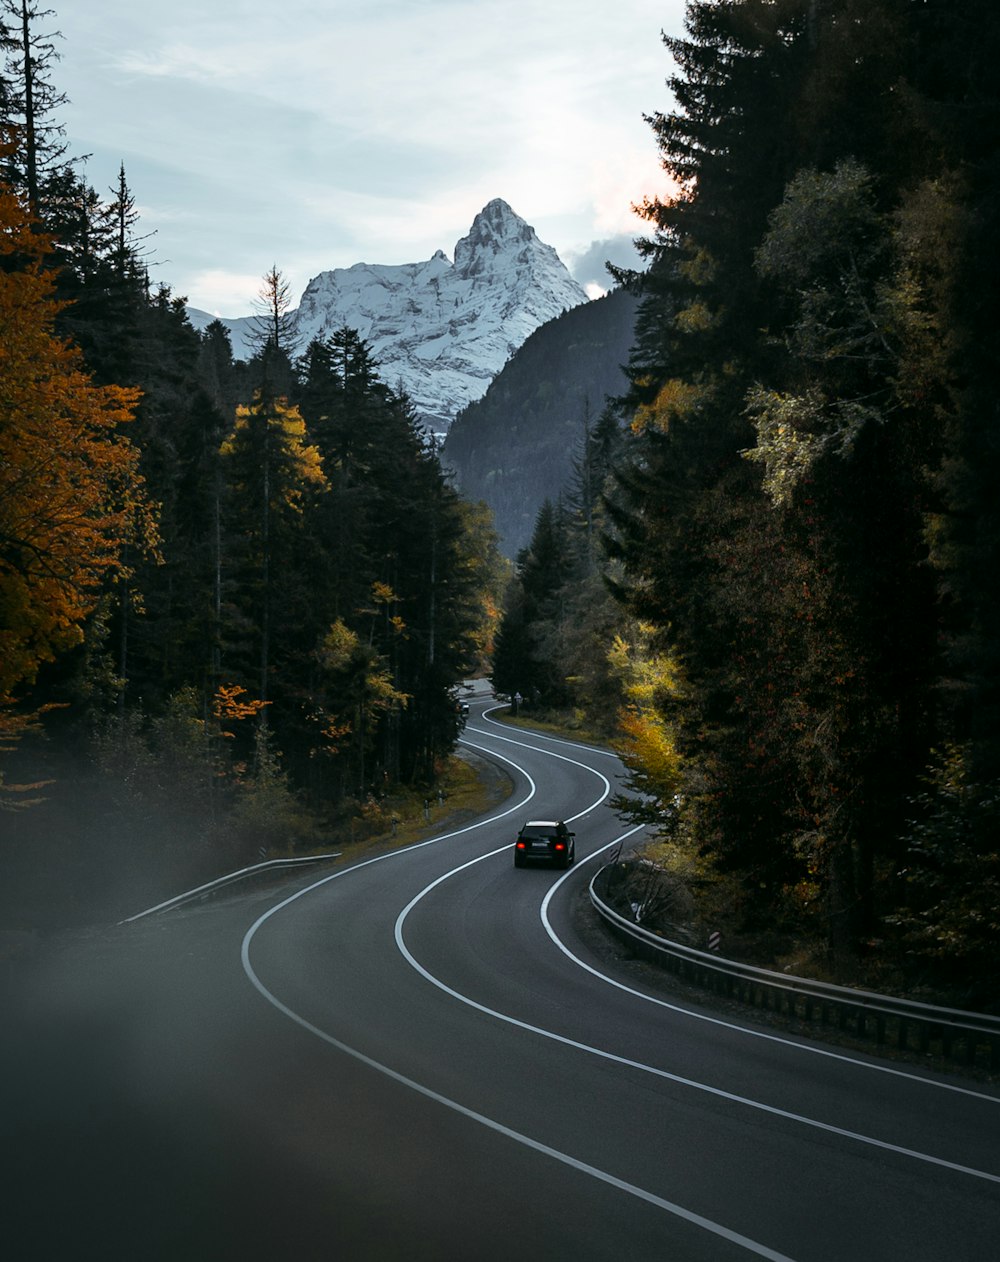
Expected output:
(441, 329)
(515, 447)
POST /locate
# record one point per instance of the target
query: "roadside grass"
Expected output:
(467, 786)
(569, 724)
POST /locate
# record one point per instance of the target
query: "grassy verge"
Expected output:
(467, 787)
(567, 724)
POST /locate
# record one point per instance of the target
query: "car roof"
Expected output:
(542, 823)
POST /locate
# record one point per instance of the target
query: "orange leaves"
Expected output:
(70, 490)
(228, 707)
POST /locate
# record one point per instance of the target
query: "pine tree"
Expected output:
(272, 336)
(807, 689)
(272, 474)
(31, 103)
(530, 657)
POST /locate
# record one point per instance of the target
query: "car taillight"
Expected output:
(560, 845)
(520, 845)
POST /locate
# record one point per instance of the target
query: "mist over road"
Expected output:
(418, 1056)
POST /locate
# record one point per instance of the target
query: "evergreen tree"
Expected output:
(272, 474)
(272, 336)
(31, 103)
(808, 653)
(530, 657)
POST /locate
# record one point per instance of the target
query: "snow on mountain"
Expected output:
(441, 329)
(241, 329)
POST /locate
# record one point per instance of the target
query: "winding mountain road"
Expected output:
(416, 1056)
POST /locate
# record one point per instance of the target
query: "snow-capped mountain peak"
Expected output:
(443, 329)
(495, 231)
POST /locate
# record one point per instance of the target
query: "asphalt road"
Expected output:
(418, 1057)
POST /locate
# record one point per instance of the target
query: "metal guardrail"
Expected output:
(210, 887)
(971, 1038)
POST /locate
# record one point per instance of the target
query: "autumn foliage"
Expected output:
(70, 491)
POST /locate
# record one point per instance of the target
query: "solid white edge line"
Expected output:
(498, 1127)
(718, 1092)
(535, 1145)
(602, 1176)
(542, 736)
(811, 1048)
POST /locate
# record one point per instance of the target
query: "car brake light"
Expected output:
(520, 845)
(560, 845)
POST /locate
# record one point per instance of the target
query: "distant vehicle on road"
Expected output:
(545, 841)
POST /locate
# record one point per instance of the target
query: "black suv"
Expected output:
(548, 840)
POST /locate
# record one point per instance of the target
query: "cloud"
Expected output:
(318, 133)
(589, 266)
(223, 293)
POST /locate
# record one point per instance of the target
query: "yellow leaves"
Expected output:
(700, 268)
(382, 694)
(649, 680)
(694, 318)
(643, 674)
(284, 431)
(382, 594)
(339, 645)
(648, 743)
(675, 399)
(343, 651)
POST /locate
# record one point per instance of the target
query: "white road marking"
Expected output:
(809, 1048)
(602, 1176)
(527, 1141)
(752, 1246)
(731, 1025)
(718, 1092)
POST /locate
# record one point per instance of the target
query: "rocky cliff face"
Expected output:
(442, 329)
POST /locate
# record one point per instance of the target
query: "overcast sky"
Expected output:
(315, 134)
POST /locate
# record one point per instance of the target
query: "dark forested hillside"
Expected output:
(515, 447)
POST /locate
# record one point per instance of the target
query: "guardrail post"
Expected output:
(918, 1027)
